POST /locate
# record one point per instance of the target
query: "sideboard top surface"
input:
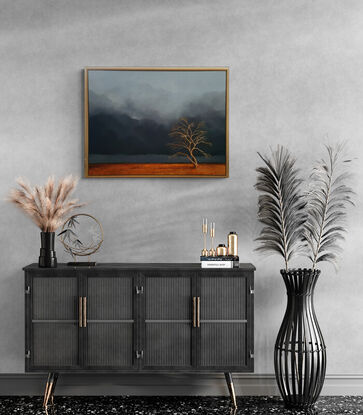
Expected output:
(144, 266)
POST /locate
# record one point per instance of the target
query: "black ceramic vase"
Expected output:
(300, 353)
(47, 257)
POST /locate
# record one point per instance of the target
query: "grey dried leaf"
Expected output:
(327, 201)
(280, 206)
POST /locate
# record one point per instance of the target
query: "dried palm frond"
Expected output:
(46, 205)
(280, 206)
(327, 201)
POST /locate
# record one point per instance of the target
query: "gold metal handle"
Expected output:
(198, 311)
(84, 309)
(194, 312)
(80, 315)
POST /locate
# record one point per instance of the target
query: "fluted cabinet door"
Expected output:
(110, 320)
(167, 323)
(53, 327)
(223, 333)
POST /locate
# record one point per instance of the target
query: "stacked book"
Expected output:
(219, 261)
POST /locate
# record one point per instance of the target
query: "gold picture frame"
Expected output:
(107, 114)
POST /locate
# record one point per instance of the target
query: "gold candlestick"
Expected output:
(212, 232)
(205, 231)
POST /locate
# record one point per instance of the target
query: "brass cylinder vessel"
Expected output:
(233, 244)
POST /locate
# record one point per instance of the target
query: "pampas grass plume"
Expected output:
(46, 205)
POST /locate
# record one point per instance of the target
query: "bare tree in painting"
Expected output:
(188, 138)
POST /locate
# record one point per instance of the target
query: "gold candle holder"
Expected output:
(205, 231)
(212, 232)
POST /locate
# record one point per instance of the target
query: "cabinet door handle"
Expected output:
(198, 311)
(80, 313)
(194, 312)
(84, 309)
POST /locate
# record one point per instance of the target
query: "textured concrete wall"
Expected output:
(295, 79)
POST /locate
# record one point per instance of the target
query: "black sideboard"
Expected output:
(138, 318)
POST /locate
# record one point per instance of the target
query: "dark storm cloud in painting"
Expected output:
(131, 113)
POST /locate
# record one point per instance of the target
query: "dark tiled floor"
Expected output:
(173, 405)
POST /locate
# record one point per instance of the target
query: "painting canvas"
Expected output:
(166, 122)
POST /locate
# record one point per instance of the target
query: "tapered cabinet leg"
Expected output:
(230, 385)
(55, 378)
(49, 390)
(45, 400)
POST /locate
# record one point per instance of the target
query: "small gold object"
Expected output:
(80, 312)
(205, 231)
(233, 244)
(198, 312)
(212, 229)
(221, 250)
(84, 308)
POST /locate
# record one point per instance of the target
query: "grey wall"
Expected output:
(295, 79)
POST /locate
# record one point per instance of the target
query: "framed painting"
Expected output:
(156, 122)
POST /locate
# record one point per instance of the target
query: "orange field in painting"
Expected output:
(156, 169)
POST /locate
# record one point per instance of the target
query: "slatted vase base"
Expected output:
(300, 352)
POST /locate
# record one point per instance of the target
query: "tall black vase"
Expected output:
(300, 352)
(47, 257)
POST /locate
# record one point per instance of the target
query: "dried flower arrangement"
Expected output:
(46, 205)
